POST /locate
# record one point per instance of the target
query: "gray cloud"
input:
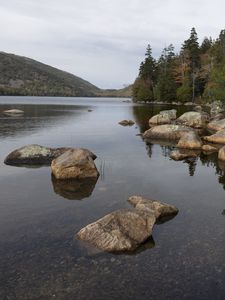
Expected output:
(103, 41)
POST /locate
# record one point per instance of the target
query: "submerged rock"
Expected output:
(218, 137)
(194, 119)
(182, 154)
(126, 229)
(33, 155)
(75, 163)
(170, 132)
(221, 154)
(160, 209)
(190, 140)
(13, 112)
(217, 125)
(127, 123)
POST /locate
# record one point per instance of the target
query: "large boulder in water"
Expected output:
(171, 113)
(125, 230)
(34, 155)
(190, 140)
(217, 125)
(75, 163)
(194, 119)
(170, 132)
(218, 137)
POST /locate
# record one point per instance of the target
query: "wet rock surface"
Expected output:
(126, 229)
(75, 163)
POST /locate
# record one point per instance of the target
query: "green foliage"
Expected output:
(196, 73)
(141, 91)
(166, 84)
(215, 88)
(184, 92)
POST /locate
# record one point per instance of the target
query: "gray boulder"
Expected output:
(190, 140)
(171, 113)
(34, 155)
(125, 230)
(193, 119)
(170, 132)
(75, 163)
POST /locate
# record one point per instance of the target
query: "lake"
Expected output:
(40, 257)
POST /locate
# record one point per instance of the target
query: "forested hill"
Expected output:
(24, 76)
(196, 73)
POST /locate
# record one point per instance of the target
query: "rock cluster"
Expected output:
(126, 229)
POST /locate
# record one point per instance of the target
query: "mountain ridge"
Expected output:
(23, 76)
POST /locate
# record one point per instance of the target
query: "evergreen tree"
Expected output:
(166, 85)
(143, 89)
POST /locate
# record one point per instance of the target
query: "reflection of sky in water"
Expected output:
(38, 255)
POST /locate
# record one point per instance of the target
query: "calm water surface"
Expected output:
(40, 257)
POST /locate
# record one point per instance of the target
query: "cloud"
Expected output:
(103, 41)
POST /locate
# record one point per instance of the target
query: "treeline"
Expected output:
(196, 73)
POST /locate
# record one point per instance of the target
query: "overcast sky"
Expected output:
(103, 41)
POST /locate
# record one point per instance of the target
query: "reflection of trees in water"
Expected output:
(142, 114)
(219, 166)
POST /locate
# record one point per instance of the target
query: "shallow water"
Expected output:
(40, 257)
